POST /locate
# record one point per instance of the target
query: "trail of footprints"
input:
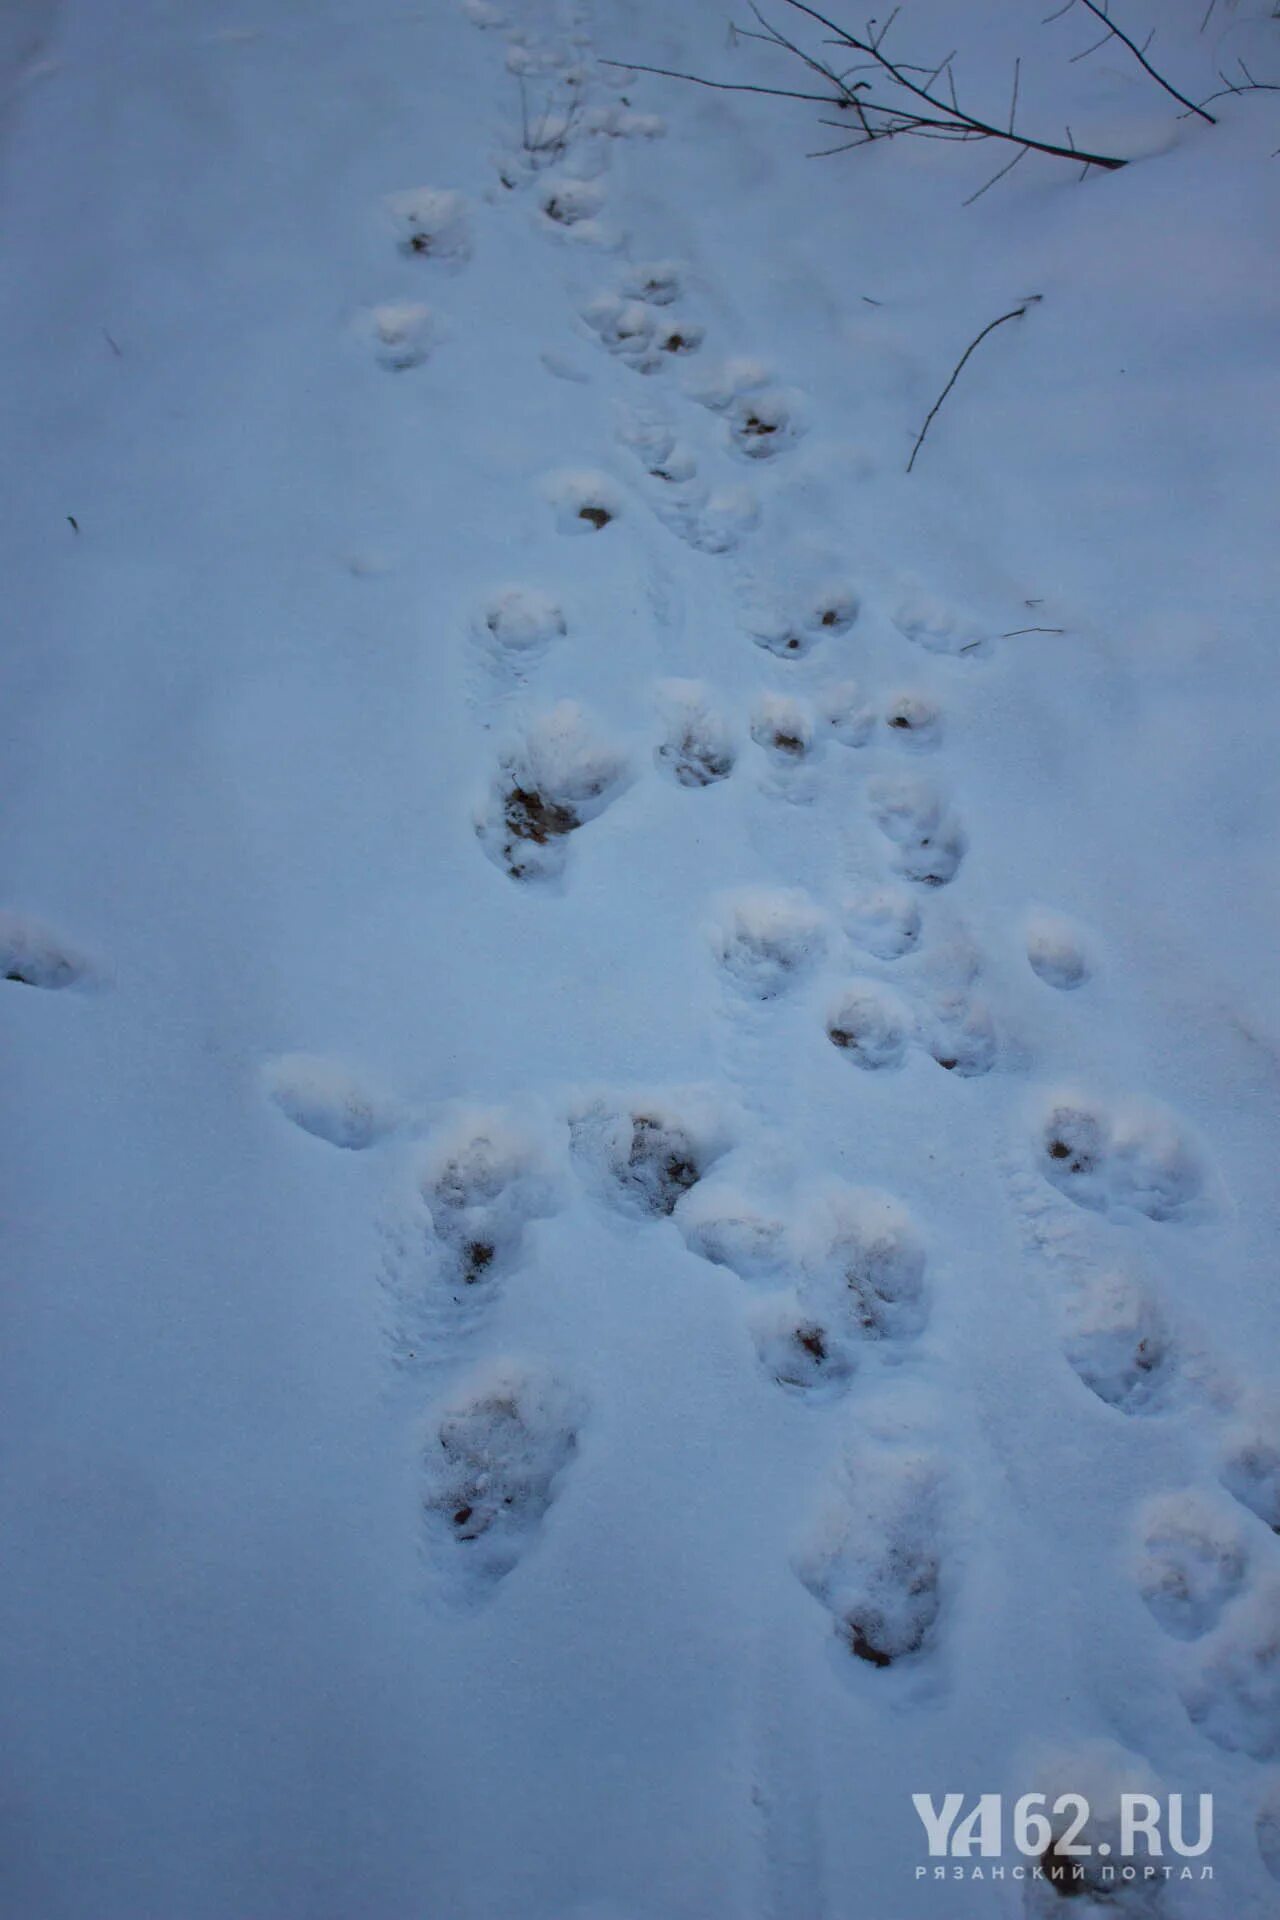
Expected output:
(835, 1283)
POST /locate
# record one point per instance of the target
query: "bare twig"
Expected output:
(911, 102)
(1099, 12)
(1021, 154)
(1015, 313)
(1015, 631)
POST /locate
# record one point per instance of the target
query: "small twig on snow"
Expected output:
(1015, 313)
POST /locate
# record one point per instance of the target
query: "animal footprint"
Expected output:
(1233, 1695)
(484, 1178)
(494, 1463)
(583, 502)
(1251, 1473)
(646, 1158)
(874, 1561)
(626, 329)
(324, 1098)
(791, 633)
(1056, 952)
(961, 1035)
(865, 1257)
(573, 207)
(763, 422)
(767, 939)
(784, 728)
(519, 623)
(432, 223)
(1116, 1339)
(726, 1227)
(933, 625)
(870, 1026)
(929, 841)
(697, 749)
(914, 720)
(1191, 1562)
(32, 956)
(844, 715)
(798, 1350)
(884, 921)
(1136, 1157)
(657, 281)
(562, 775)
(400, 335)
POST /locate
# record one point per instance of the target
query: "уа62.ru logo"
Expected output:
(1144, 1838)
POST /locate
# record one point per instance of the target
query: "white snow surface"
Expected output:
(795, 962)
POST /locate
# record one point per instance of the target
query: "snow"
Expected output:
(583, 951)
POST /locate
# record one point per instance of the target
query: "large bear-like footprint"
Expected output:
(928, 840)
(494, 1461)
(1115, 1337)
(644, 1155)
(484, 1177)
(874, 1560)
(1233, 1694)
(562, 774)
(863, 1257)
(1135, 1156)
(766, 939)
(697, 748)
(1191, 1562)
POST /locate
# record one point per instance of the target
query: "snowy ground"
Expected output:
(640, 1169)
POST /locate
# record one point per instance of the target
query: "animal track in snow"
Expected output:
(873, 1561)
(764, 422)
(325, 1098)
(519, 623)
(655, 445)
(798, 1350)
(870, 1026)
(766, 939)
(929, 841)
(791, 634)
(1057, 952)
(883, 921)
(961, 1035)
(845, 715)
(914, 719)
(494, 1463)
(932, 624)
(784, 728)
(1135, 1157)
(572, 207)
(1191, 1562)
(645, 1158)
(864, 1255)
(1115, 1338)
(626, 329)
(726, 1227)
(709, 521)
(400, 334)
(33, 956)
(1251, 1472)
(1233, 1694)
(697, 749)
(560, 776)
(583, 502)
(432, 223)
(657, 281)
(484, 1178)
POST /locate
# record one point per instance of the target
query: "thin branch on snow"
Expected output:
(1098, 8)
(1015, 313)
